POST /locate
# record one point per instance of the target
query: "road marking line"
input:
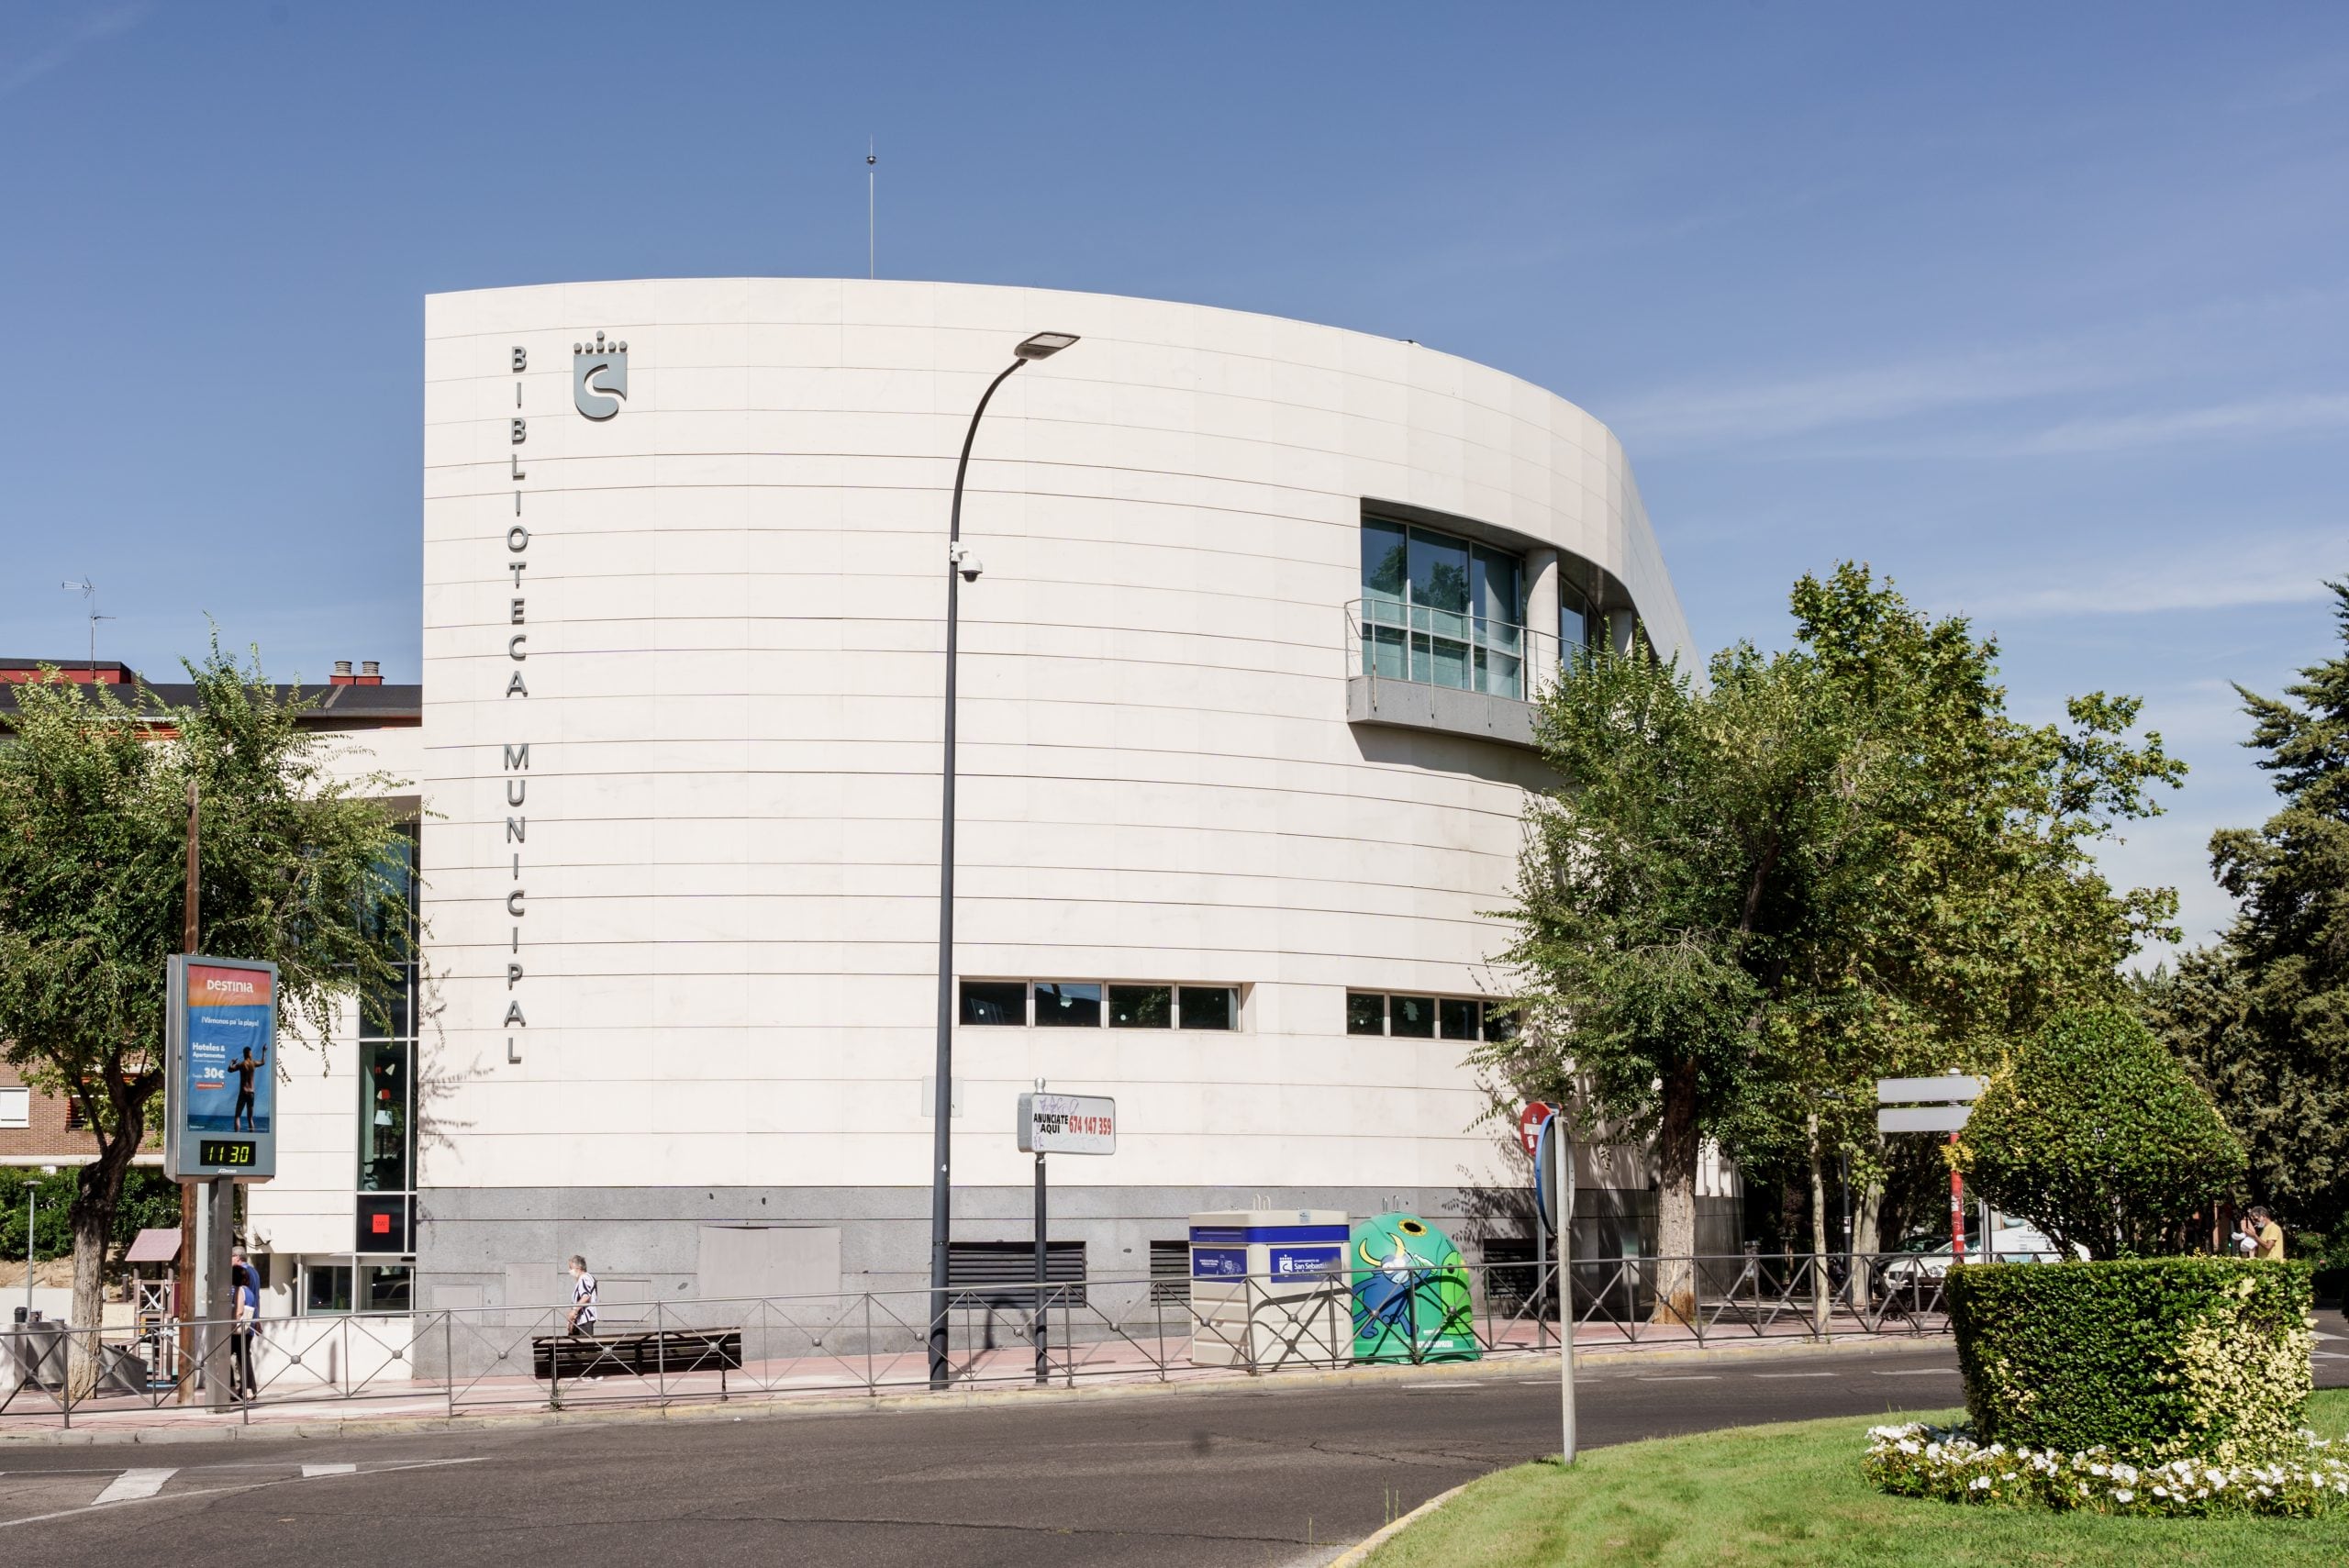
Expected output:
(133, 1484)
(1794, 1374)
(221, 1491)
(1918, 1371)
(310, 1470)
(1681, 1377)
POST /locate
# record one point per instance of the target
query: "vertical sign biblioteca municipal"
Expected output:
(221, 1067)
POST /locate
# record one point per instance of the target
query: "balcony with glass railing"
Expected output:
(1419, 667)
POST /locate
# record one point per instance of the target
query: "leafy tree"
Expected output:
(92, 823)
(1752, 897)
(2263, 1016)
(2096, 1134)
(149, 1199)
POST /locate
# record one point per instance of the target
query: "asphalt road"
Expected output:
(1234, 1477)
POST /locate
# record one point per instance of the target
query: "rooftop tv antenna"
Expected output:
(872, 250)
(88, 589)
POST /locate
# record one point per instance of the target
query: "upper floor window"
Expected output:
(1441, 610)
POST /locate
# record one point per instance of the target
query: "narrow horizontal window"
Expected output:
(1141, 1007)
(994, 1002)
(1206, 1007)
(1365, 1013)
(1412, 1016)
(1064, 1003)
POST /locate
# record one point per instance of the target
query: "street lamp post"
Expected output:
(961, 567)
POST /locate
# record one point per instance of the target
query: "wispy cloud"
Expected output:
(1704, 416)
(2231, 574)
(2255, 420)
(18, 71)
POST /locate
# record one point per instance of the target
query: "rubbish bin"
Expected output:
(1268, 1287)
(1410, 1294)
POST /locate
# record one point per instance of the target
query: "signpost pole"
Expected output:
(1042, 1361)
(221, 1220)
(184, 1271)
(1956, 1212)
(1566, 1190)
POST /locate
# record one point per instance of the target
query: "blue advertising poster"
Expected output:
(230, 1085)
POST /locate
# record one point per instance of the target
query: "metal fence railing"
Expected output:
(448, 1360)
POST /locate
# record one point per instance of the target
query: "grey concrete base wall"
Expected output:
(506, 1247)
(786, 1265)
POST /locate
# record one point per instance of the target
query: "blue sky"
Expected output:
(2040, 309)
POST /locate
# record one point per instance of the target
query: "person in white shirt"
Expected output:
(583, 1296)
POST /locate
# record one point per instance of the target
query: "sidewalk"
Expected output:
(819, 1384)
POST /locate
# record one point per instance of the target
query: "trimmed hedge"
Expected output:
(2158, 1357)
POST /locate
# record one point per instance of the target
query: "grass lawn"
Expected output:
(1793, 1494)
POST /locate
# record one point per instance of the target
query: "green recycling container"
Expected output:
(1410, 1294)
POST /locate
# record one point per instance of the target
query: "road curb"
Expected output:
(777, 1406)
(1360, 1552)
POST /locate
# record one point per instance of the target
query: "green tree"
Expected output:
(94, 805)
(2263, 1016)
(1750, 898)
(2096, 1134)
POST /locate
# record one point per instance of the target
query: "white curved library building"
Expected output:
(1251, 611)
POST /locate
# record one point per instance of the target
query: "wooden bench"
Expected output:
(641, 1353)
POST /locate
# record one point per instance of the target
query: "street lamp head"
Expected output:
(1044, 345)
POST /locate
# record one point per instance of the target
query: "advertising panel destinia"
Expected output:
(1411, 1301)
(221, 1086)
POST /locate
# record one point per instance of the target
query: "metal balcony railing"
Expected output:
(1454, 648)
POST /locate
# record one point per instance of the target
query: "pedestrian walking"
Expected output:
(583, 1296)
(246, 1283)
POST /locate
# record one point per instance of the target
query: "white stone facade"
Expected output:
(726, 838)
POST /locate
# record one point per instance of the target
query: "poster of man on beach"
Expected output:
(230, 1085)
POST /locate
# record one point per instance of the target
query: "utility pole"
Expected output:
(184, 1270)
(872, 241)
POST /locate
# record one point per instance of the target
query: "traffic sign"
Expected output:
(1939, 1104)
(1528, 1126)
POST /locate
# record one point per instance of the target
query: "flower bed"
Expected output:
(2308, 1477)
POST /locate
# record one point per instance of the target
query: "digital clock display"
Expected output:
(224, 1151)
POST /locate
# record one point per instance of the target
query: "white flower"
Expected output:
(2123, 1495)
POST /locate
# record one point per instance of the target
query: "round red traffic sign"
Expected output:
(1529, 1125)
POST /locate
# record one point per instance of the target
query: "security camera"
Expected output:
(970, 568)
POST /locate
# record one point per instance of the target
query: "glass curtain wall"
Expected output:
(1441, 610)
(387, 1033)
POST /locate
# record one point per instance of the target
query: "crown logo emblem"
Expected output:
(599, 377)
